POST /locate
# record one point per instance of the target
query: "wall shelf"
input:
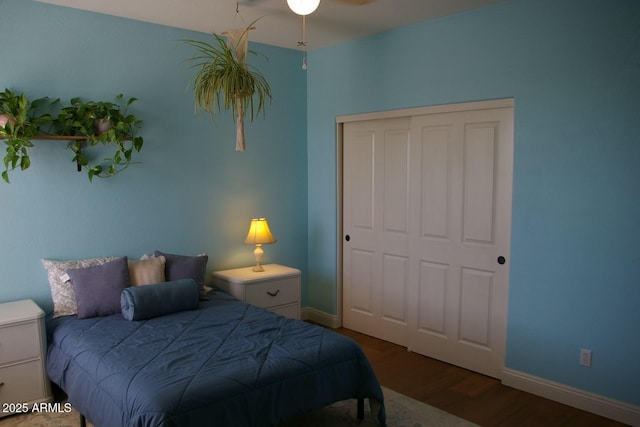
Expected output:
(61, 137)
(55, 137)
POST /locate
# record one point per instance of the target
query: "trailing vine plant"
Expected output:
(18, 124)
(101, 123)
(90, 123)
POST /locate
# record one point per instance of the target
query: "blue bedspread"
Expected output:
(224, 364)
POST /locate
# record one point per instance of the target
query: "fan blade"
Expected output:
(250, 2)
(354, 2)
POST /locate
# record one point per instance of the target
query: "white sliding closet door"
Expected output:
(376, 226)
(427, 224)
(461, 227)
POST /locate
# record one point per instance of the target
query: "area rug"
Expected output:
(402, 411)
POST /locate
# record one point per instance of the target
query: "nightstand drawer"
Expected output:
(277, 288)
(273, 293)
(19, 342)
(21, 383)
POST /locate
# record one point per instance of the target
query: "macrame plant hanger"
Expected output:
(238, 42)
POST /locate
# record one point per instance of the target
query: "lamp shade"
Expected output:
(303, 7)
(259, 232)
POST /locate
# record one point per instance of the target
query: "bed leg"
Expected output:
(83, 421)
(360, 413)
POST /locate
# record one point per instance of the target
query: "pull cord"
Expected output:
(303, 43)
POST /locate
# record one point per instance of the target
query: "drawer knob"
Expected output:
(273, 294)
(1, 384)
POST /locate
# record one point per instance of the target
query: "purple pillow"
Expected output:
(98, 288)
(178, 267)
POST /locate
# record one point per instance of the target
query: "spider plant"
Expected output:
(224, 82)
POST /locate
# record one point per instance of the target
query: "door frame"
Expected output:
(406, 112)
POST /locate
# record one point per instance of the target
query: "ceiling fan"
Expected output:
(347, 2)
(354, 2)
(304, 8)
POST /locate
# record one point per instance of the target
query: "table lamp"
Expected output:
(259, 234)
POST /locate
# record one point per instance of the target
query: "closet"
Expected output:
(426, 226)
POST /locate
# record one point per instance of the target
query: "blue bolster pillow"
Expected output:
(148, 301)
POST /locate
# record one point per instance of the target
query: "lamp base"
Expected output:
(258, 252)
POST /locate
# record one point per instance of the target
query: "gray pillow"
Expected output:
(98, 288)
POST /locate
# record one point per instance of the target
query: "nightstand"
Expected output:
(23, 379)
(277, 288)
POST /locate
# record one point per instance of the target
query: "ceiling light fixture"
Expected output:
(303, 8)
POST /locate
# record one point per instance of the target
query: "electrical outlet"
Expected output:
(585, 357)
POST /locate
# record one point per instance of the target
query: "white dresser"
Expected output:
(23, 380)
(277, 288)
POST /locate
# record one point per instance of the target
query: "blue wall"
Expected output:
(573, 68)
(191, 193)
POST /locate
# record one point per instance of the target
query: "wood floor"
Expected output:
(474, 397)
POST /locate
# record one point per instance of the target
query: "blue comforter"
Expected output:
(224, 364)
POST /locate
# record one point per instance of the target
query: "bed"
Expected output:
(225, 363)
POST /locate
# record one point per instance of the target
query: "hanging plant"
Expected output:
(19, 123)
(86, 124)
(101, 123)
(224, 81)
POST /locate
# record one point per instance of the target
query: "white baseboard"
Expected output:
(320, 317)
(610, 408)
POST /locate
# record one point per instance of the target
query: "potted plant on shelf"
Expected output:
(82, 122)
(18, 125)
(225, 81)
(101, 123)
